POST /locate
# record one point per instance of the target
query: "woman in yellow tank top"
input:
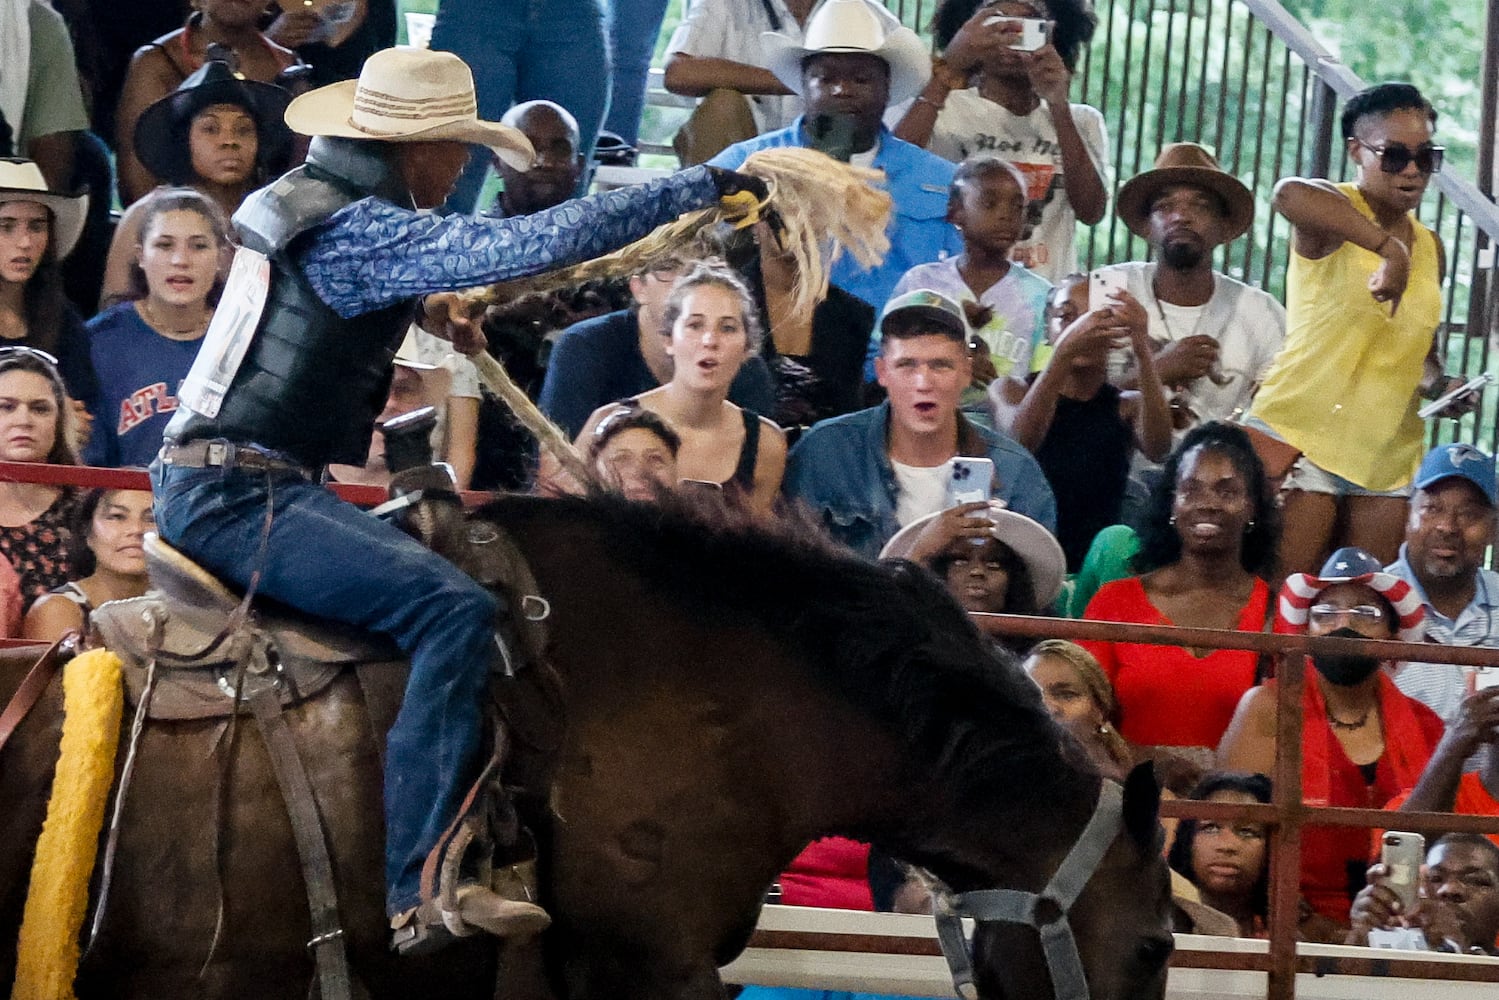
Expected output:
(1363, 300)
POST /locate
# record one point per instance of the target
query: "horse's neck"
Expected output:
(1015, 835)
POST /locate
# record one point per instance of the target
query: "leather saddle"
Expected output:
(185, 625)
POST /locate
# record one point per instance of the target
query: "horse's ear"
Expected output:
(1142, 799)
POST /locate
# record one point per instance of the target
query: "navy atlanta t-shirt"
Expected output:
(139, 371)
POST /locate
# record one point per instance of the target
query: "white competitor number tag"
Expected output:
(229, 334)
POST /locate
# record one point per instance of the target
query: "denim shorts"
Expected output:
(1309, 477)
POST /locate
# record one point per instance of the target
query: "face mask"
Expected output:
(1345, 671)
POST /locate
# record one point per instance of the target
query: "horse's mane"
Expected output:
(886, 637)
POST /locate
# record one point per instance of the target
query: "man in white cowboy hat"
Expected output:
(855, 62)
(335, 257)
(1216, 336)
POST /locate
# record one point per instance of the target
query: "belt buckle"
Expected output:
(218, 453)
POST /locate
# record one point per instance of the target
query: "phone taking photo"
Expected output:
(969, 481)
(1402, 855)
(831, 134)
(1103, 286)
(1034, 32)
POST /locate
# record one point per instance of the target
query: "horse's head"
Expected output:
(1101, 927)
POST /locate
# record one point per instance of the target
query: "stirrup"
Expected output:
(429, 927)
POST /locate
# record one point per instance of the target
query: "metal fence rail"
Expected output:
(1287, 814)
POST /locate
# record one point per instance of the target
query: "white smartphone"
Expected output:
(1402, 855)
(969, 481)
(1474, 384)
(1485, 677)
(1034, 33)
(1101, 288)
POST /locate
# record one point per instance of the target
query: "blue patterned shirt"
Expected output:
(372, 254)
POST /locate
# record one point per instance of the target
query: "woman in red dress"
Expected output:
(1209, 539)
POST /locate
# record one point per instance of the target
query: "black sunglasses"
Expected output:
(1394, 157)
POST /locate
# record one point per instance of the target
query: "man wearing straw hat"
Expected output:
(336, 257)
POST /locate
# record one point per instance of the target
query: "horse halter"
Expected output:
(1012, 906)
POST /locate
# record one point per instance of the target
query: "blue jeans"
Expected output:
(526, 50)
(634, 26)
(329, 558)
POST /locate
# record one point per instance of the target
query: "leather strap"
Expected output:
(35, 682)
(327, 944)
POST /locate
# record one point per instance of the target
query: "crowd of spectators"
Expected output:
(1164, 444)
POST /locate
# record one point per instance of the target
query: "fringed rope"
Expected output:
(826, 208)
(47, 951)
(548, 435)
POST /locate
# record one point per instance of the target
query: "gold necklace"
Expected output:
(160, 327)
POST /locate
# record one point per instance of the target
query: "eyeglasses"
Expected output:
(665, 270)
(21, 350)
(1394, 157)
(1330, 614)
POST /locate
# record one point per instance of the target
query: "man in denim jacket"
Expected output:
(866, 474)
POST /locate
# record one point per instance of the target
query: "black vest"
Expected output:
(312, 383)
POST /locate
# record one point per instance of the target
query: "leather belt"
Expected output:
(220, 454)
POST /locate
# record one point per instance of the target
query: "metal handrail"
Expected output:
(1295, 36)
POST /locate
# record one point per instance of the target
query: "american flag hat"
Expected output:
(1351, 565)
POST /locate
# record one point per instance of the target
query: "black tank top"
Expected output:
(749, 452)
(1086, 459)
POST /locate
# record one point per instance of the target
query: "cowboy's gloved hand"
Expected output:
(732, 182)
(741, 196)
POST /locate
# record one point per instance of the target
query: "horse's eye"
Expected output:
(1153, 952)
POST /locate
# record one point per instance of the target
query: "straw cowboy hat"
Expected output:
(161, 129)
(22, 180)
(1035, 546)
(853, 26)
(408, 95)
(1184, 163)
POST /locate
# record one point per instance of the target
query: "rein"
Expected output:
(1012, 906)
(36, 681)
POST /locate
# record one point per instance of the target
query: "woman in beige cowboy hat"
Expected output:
(336, 258)
(38, 229)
